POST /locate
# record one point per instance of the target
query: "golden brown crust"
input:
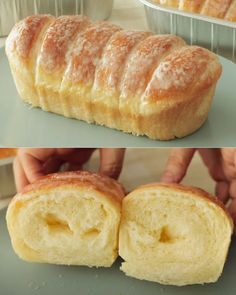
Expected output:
(115, 56)
(89, 50)
(231, 14)
(216, 8)
(171, 3)
(190, 5)
(58, 39)
(7, 152)
(223, 9)
(198, 192)
(25, 34)
(182, 74)
(145, 59)
(77, 178)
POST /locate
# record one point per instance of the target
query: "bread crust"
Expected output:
(197, 192)
(7, 152)
(98, 182)
(222, 9)
(231, 14)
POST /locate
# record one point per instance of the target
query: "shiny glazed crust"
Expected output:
(137, 82)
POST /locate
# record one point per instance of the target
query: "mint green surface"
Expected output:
(21, 278)
(20, 125)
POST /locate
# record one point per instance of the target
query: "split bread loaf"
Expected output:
(67, 218)
(137, 82)
(223, 9)
(174, 235)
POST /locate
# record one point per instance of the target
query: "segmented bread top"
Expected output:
(190, 69)
(224, 9)
(96, 181)
(104, 57)
(111, 67)
(88, 52)
(58, 39)
(25, 33)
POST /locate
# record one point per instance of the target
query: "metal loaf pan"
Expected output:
(11, 11)
(7, 184)
(214, 34)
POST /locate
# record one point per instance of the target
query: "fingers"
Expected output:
(222, 191)
(177, 164)
(229, 162)
(52, 165)
(111, 161)
(76, 157)
(212, 158)
(232, 211)
(20, 178)
(29, 165)
(232, 206)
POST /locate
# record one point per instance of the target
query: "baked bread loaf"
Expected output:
(67, 218)
(7, 152)
(145, 84)
(223, 9)
(174, 235)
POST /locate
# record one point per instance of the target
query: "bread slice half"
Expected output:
(173, 234)
(67, 218)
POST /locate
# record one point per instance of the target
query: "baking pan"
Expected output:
(7, 184)
(214, 34)
(11, 11)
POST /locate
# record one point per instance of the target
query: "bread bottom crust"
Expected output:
(177, 120)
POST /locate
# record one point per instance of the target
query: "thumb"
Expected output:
(177, 164)
(111, 161)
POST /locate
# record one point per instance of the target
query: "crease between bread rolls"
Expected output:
(174, 235)
(69, 218)
(137, 82)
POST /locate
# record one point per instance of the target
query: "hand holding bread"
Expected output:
(221, 164)
(170, 234)
(31, 164)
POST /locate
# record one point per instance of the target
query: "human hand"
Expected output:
(221, 164)
(32, 163)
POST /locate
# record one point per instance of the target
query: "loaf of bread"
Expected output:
(223, 9)
(7, 152)
(174, 235)
(144, 84)
(69, 218)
